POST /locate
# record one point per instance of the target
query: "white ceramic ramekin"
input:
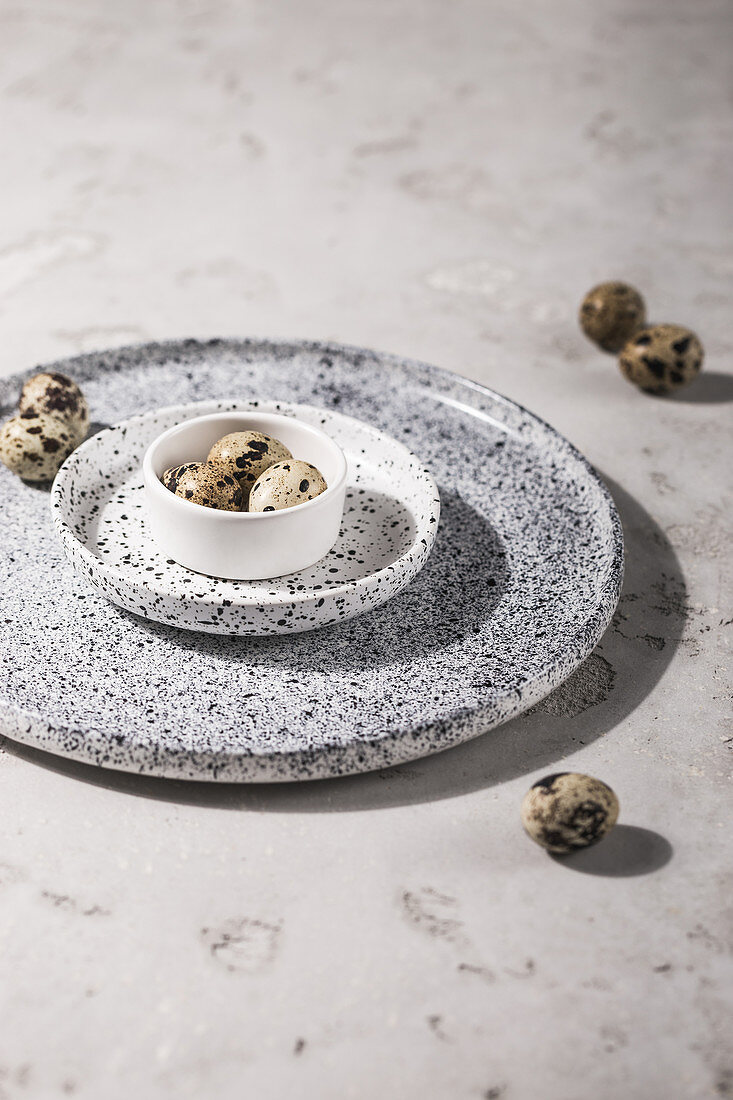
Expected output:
(244, 545)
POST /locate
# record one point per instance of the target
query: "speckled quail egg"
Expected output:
(248, 454)
(569, 810)
(211, 485)
(34, 447)
(661, 358)
(611, 313)
(56, 395)
(286, 484)
(170, 477)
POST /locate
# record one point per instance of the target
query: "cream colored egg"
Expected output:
(611, 313)
(247, 455)
(209, 484)
(286, 484)
(34, 447)
(56, 395)
(661, 358)
(171, 477)
(569, 810)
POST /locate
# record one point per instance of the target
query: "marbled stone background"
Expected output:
(443, 180)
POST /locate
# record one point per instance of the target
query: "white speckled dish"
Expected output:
(388, 530)
(521, 583)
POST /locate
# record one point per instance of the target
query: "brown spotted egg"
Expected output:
(569, 810)
(247, 455)
(170, 477)
(611, 313)
(35, 446)
(284, 485)
(59, 396)
(661, 358)
(209, 484)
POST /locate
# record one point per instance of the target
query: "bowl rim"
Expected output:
(154, 485)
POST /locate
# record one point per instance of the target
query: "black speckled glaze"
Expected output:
(522, 581)
(390, 520)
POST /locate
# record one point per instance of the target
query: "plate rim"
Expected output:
(426, 525)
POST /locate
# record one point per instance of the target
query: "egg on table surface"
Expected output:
(569, 810)
(209, 484)
(661, 358)
(247, 455)
(286, 484)
(611, 313)
(35, 446)
(56, 395)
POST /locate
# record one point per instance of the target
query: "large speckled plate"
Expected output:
(388, 530)
(523, 579)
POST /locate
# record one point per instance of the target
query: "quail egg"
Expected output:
(35, 445)
(56, 395)
(284, 485)
(209, 484)
(611, 313)
(170, 477)
(569, 810)
(661, 358)
(247, 455)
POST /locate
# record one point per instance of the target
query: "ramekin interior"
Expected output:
(192, 440)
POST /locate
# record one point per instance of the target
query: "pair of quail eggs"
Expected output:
(246, 472)
(52, 420)
(656, 358)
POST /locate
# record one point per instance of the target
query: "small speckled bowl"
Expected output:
(244, 545)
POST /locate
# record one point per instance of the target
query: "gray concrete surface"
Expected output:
(443, 180)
